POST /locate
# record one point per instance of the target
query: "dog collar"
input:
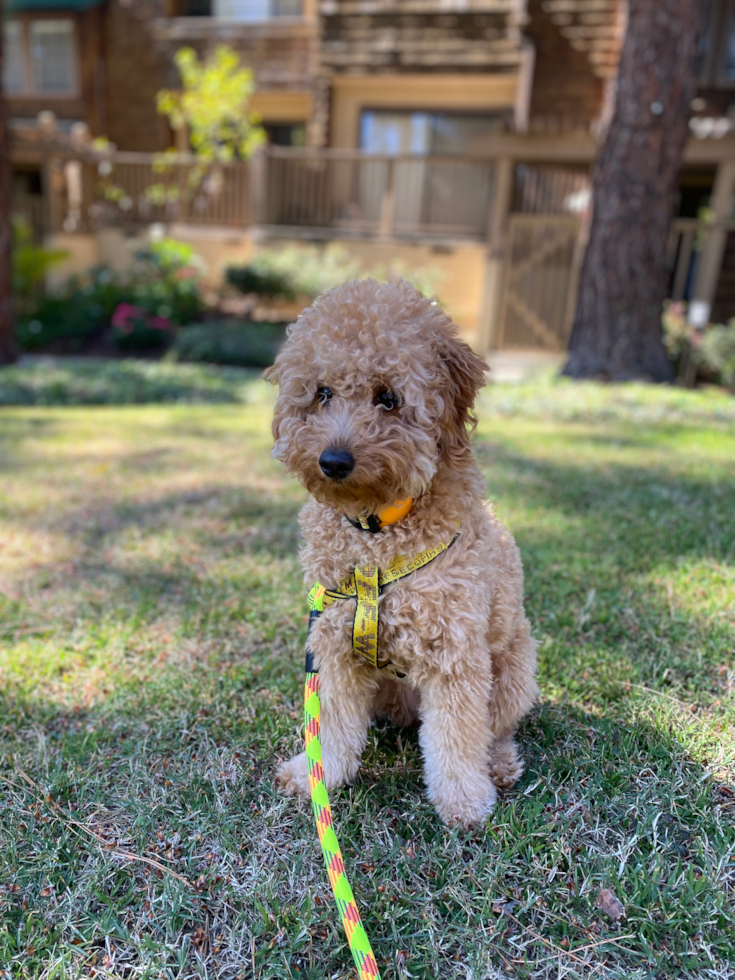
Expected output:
(388, 515)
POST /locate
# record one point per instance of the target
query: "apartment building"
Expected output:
(444, 88)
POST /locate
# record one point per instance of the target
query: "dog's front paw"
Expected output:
(293, 776)
(466, 804)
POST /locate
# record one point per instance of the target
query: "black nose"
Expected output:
(337, 464)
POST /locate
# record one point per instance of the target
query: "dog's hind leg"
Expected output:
(506, 764)
(513, 694)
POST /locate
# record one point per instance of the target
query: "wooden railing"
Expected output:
(352, 193)
(342, 193)
(686, 251)
(141, 188)
(321, 193)
(549, 189)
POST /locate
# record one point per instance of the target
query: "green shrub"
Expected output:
(678, 332)
(712, 351)
(166, 280)
(310, 270)
(262, 282)
(135, 329)
(65, 323)
(31, 264)
(717, 352)
(69, 318)
(237, 343)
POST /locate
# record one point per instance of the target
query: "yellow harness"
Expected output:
(365, 585)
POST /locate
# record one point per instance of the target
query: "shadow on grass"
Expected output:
(608, 800)
(639, 513)
(16, 431)
(604, 803)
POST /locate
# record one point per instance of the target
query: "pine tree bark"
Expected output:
(7, 336)
(617, 328)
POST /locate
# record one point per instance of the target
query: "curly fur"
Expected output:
(456, 628)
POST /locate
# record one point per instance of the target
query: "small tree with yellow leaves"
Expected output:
(212, 108)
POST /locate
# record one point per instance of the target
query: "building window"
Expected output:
(14, 73)
(285, 134)
(718, 46)
(52, 55)
(242, 10)
(40, 57)
(427, 133)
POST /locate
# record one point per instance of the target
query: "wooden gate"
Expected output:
(540, 282)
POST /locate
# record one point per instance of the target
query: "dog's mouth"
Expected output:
(351, 482)
(359, 485)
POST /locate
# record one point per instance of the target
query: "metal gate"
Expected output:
(540, 282)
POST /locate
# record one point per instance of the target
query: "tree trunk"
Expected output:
(617, 329)
(7, 336)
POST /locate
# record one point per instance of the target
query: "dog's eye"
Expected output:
(386, 399)
(323, 394)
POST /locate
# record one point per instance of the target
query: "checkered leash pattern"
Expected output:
(367, 968)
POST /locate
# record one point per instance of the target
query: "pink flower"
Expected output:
(157, 322)
(124, 312)
(126, 315)
(186, 272)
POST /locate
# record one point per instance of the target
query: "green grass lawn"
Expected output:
(152, 620)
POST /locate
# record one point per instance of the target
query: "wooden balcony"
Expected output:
(523, 211)
(348, 193)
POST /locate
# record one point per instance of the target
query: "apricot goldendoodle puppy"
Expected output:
(374, 410)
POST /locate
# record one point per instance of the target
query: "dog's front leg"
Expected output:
(347, 693)
(455, 740)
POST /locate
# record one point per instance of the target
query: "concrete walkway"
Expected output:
(522, 365)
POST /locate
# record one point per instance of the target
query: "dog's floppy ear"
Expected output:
(290, 372)
(465, 376)
(275, 374)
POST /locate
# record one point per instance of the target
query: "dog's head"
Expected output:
(376, 390)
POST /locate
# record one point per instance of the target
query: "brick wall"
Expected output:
(136, 69)
(577, 46)
(141, 44)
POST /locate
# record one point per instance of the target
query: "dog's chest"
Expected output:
(415, 613)
(332, 550)
(402, 618)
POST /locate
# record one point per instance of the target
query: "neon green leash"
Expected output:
(364, 585)
(367, 968)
